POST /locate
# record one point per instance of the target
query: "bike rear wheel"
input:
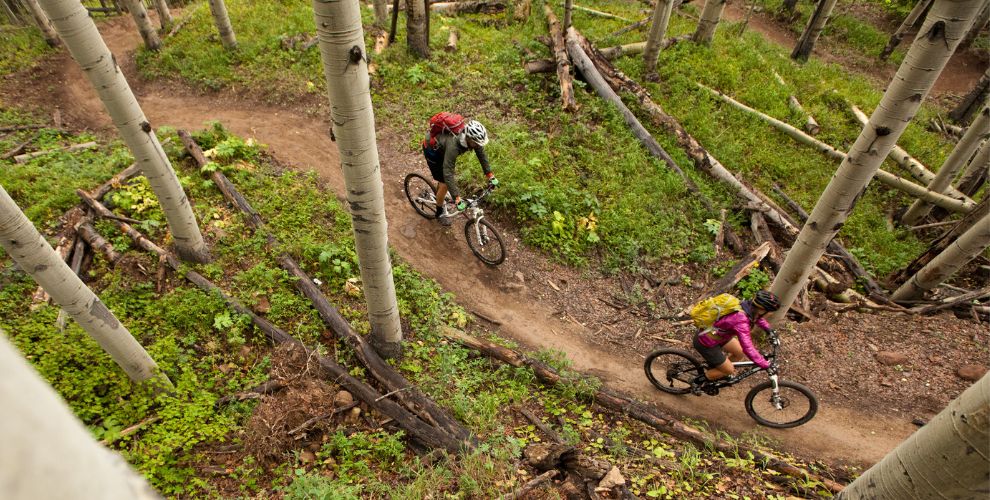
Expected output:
(672, 370)
(422, 195)
(484, 242)
(795, 405)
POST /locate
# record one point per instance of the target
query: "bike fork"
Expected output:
(775, 393)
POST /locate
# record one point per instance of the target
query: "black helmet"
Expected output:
(767, 300)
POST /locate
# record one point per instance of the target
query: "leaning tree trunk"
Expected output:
(164, 15)
(972, 243)
(44, 24)
(709, 20)
(563, 63)
(964, 112)
(47, 452)
(981, 21)
(654, 41)
(416, 28)
(787, 8)
(151, 39)
(339, 29)
(77, 30)
(976, 173)
(942, 242)
(381, 13)
(947, 458)
(909, 21)
(928, 55)
(962, 153)
(568, 12)
(811, 33)
(34, 255)
(220, 17)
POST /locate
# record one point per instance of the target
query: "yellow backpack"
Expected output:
(705, 313)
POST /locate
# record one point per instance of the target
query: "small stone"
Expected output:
(890, 358)
(971, 373)
(353, 416)
(873, 347)
(342, 398)
(612, 479)
(520, 277)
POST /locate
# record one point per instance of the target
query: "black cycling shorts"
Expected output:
(434, 158)
(714, 356)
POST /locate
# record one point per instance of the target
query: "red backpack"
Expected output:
(451, 123)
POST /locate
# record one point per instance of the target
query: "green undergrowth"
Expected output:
(209, 351)
(578, 184)
(21, 47)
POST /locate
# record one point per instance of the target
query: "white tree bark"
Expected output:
(381, 13)
(164, 15)
(77, 30)
(220, 17)
(416, 37)
(338, 26)
(710, 17)
(44, 24)
(658, 31)
(47, 452)
(814, 29)
(958, 159)
(912, 17)
(140, 15)
(947, 458)
(35, 256)
(969, 245)
(928, 55)
(976, 172)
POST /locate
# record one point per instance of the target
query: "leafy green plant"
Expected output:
(756, 280)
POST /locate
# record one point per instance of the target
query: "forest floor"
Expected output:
(866, 407)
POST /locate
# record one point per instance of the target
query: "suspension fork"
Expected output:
(775, 392)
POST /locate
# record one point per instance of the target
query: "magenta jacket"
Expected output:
(736, 324)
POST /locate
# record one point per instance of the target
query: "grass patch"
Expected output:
(21, 47)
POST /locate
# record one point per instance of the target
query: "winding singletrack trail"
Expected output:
(835, 435)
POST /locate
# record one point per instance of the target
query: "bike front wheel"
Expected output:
(422, 195)
(794, 404)
(484, 242)
(672, 370)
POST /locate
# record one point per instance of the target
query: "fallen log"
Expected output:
(407, 393)
(649, 415)
(953, 301)
(266, 387)
(422, 431)
(540, 66)
(18, 149)
(600, 13)
(532, 484)
(115, 181)
(457, 8)
(132, 429)
(595, 79)
(452, 40)
(634, 26)
(563, 63)
(17, 128)
(702, 158)
(21, 158)
(883, 176)
(546, 430)
(612, 53)
(810, 125)
(739, 271)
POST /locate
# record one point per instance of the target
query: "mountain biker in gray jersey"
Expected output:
(442, 161)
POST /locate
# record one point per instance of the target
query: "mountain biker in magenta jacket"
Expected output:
(732, 333)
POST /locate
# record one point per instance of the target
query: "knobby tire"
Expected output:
(414, 187)
(494, 242)
(686, 365)
(792, 392)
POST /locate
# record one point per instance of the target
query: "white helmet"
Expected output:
(475, 131)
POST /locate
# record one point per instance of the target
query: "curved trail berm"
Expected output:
(835, 434)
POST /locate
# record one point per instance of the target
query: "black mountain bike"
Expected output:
(775, 403)
(481, 236)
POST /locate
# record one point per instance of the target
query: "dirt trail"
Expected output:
(836, 434)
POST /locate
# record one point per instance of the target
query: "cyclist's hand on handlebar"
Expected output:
(461, 204)
(492, 181)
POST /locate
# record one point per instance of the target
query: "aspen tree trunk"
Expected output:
(909, 21)
(947, 458)
(981, 21)
(338, 26)
(416, 28)
(77, 30)
(33, 254)
(925, 60)
(381, 13)
(658, 31)
(151, 39)
(11, 15)
(816, 24)
(960, 155)
(568, 12)
(164, 15)
(220, 17)
(788, 7)
(44, 24)
(47, 452)
(710, 17)
(976, 173)
(973, 242)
